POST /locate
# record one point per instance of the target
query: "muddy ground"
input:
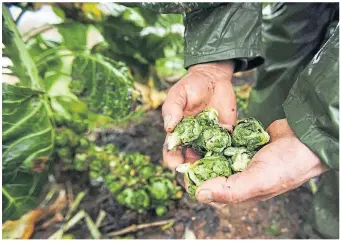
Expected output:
(281, 217)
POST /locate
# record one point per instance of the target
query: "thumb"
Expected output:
(173, 107)
(236, 188)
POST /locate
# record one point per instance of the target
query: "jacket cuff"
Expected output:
(245, 59)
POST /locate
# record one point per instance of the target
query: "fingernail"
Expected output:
(205, 196)
(167, 120)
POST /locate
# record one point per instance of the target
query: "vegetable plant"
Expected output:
(224, 153)
(53, 79)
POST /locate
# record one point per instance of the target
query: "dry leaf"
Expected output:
(151, 97)
(23, 227)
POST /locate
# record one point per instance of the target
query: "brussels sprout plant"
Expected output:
(224, 153)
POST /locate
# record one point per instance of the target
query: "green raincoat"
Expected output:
(296, 49)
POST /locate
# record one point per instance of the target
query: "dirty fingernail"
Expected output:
(167, 120)
(204, 196)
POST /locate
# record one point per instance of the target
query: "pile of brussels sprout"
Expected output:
(224, 153)
(71, 144)
(131, 177)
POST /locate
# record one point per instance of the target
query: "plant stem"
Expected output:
(134, 228)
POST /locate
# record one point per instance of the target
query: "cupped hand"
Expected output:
(205, 85)
(282, 165)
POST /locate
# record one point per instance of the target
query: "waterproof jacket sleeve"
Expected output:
(225, 32)
(216, 31)
(312, 106)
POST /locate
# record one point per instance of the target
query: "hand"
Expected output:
(205, 85)
(282, 165)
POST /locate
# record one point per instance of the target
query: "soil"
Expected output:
(280, 217)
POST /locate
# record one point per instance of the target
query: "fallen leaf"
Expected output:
(23, 227)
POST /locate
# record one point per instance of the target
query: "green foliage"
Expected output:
(46, 72)
(214, 143)
(20, 194)
(28, 134)
(150, 44)
(105, 83)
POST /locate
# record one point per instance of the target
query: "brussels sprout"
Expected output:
(137, 159)
(125, 197)
(79, 126)
(141, 200)
(240, 161)
(147, 171)
(204, 169)
(64, 152)
(62, 139)
(231, 151)
(160, 188)
(113, 184)
(111, 149)
(72, 136)
(160, 210)
(96, 169)
(213, 139)
(250, 134)
(80, 162)
(185, 132)
(59, 120)
(131, 181)
(137, 200)
(208, 117)
(83, 143)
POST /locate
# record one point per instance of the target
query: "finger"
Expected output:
(191, 155)
(226, 126)
(172, 158)
(173, 107)
(186, 183)
(226, 107)
(278, 129)
(237, 188)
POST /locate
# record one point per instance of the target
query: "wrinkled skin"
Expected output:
(205, 85)
(282, 165)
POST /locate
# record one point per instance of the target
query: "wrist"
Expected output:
(219, 69)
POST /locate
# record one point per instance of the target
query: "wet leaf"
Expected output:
(27, 130)
(19, 195)
(105, 84)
